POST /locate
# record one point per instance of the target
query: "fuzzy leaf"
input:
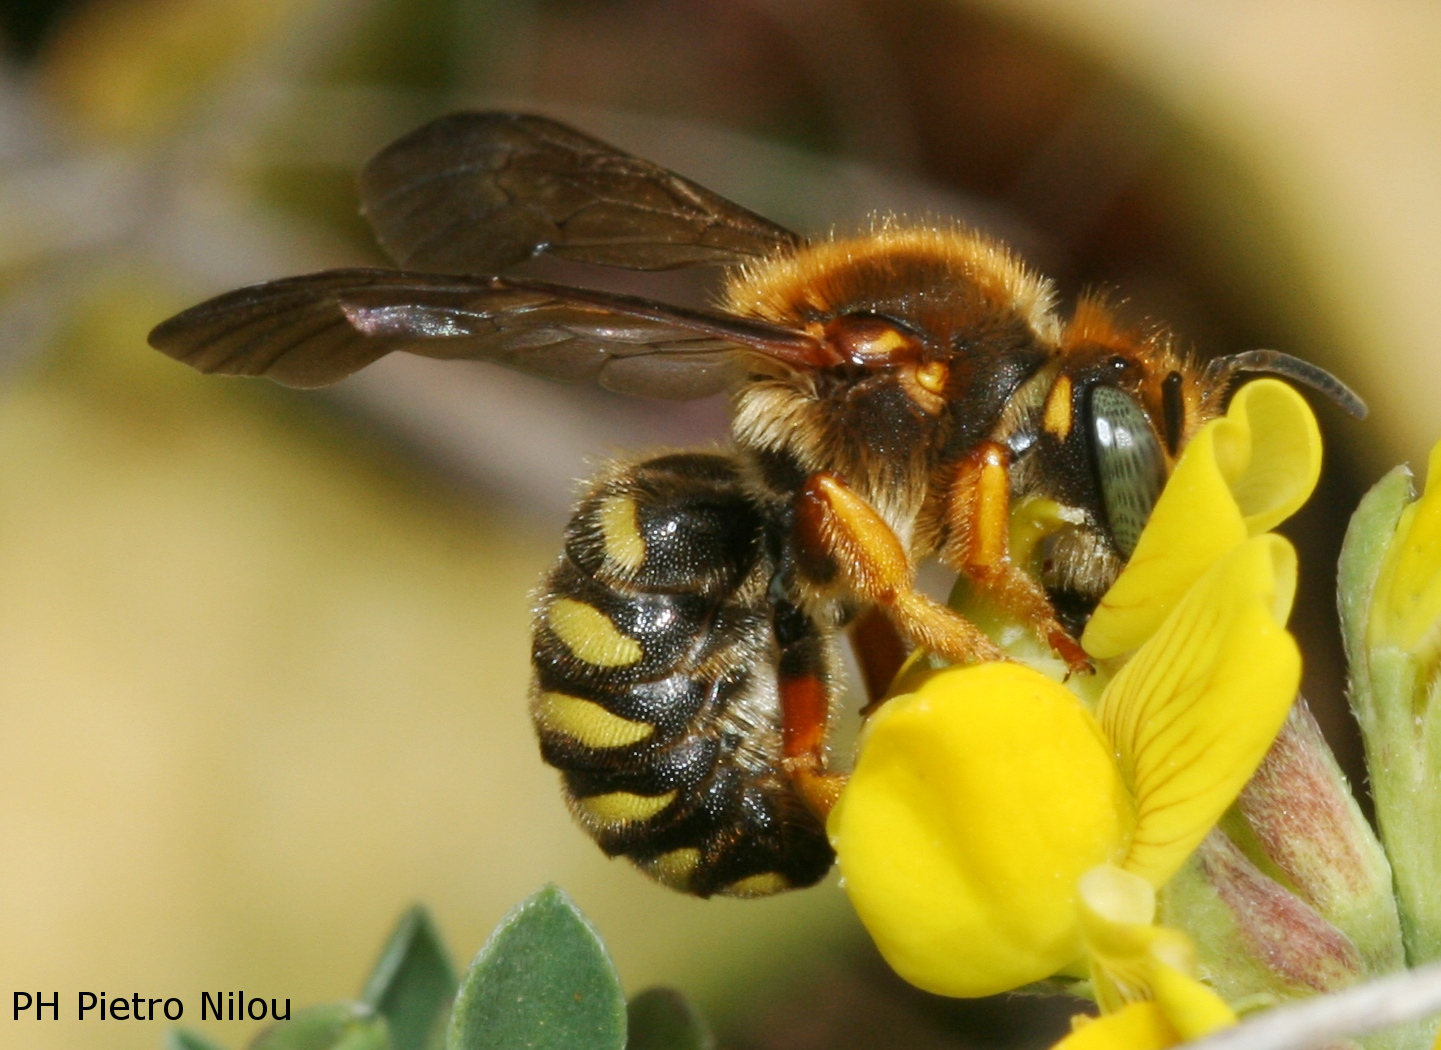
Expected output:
(185, 1039)
(542, 982)
(413, 981)
(663, 1019)
(334, 1026)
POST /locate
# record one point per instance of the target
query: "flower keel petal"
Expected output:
(975, 806)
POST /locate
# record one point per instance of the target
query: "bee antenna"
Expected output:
(1221, 371)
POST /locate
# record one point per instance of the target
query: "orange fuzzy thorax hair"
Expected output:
(941, 278)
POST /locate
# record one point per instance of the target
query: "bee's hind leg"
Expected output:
(803, 682)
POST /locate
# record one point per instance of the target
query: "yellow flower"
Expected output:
(1240, 476)
(986, 800)
(979, 801)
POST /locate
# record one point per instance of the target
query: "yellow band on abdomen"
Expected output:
(622, 807)
(587, 722)
(589, 634)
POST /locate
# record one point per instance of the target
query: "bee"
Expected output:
(901, 394)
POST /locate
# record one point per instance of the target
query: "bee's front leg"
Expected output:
(978, 513)
(839, 534)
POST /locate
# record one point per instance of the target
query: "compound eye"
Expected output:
(1129, 463)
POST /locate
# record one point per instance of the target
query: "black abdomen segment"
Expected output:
(655, 692)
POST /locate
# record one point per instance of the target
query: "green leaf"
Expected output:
(413, 982)
(185, 1039)
(334, 1026)
(542, 982)
(663, 1019)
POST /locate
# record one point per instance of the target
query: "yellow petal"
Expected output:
(1193, 1010)
(975, 806)
(1407, 603)
(1239, 476)
(1132, 959)
(1117, 910)
(1193, 713)
(1138, 1026)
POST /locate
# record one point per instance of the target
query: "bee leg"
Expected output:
(805, 709)
(978, 547)
(880, 652)
(840, 534)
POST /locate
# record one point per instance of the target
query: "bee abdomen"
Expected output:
(654, 683)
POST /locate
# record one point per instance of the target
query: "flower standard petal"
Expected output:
(1283, 463)
(1239, 476)
(975, 806)
(1192, 714)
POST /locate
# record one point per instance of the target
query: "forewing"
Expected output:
(313, 330)
(476, 192)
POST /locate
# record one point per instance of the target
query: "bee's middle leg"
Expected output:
(840, 534)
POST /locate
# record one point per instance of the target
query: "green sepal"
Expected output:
(543, 981)
(333, 1026)
(1368, 537)
(663, 1019)
(413, 981)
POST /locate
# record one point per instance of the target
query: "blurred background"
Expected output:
(263, 654)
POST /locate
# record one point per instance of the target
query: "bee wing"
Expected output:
(476, 192)
(313, 330)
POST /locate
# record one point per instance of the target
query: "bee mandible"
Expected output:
(900, 394)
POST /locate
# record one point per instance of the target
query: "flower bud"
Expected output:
(1390, 597)
(1308, 825)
